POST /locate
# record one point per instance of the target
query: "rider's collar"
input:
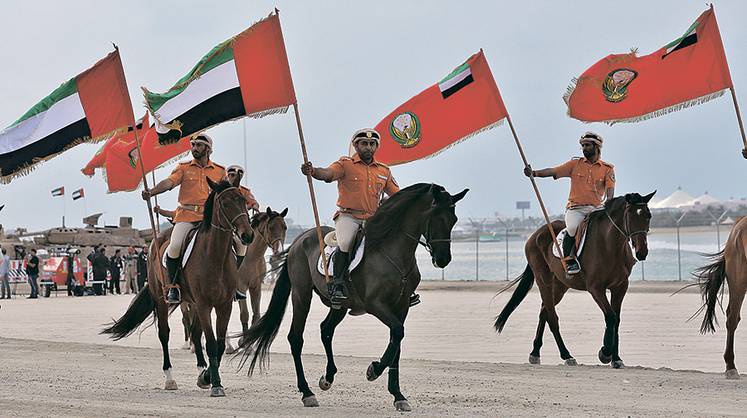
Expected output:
(598, 161)
(357, 159)
(209, 164)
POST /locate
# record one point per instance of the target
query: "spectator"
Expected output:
(32, 272)
(70, 283)
(142, 267)
(4, 270)
(100, 265)
(130, 271)
(115, 266)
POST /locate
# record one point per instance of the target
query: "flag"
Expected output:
(119, 162)
(60, 191)
(90, 107)
(247, 75)
(78, 194)
(463, 104)
(690, 70)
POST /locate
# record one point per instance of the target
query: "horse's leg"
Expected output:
(736, 297)
(400, 402)
(610, 319)
(244, 316)
(301, 305)
(551, 294)
(203, 314)
(255, 296)
(334, 317)
(222, 317)
(534, 356)
(162, 313)
(616, 299)
(203, 375)
(390, 358)
(186, 323)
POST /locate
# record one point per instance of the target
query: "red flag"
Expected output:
(99, 159)
(626, 88)
(463, 104)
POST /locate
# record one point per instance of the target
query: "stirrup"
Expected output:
(167, 289)
(570, 263)
(414, 299)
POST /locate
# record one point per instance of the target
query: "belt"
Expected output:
(193, 208)
(353, 211)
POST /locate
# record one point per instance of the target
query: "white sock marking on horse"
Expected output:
(167, 372)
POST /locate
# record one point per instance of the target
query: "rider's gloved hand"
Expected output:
(307, 168)
(528, 170)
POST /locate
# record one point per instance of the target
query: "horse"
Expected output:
(379, 286)
(607, 262)
(208, 282)
(269, 226)
(730, 264)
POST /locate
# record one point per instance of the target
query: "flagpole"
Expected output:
(246, 169)
(145, 180)
(739, 116)
(155, 200)
(536, 191)
(311, 192)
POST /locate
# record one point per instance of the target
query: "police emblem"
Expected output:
(405, 129)
(133, 157)
(615, 86)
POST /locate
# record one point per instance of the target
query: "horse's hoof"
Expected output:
(203, 379)
(192, 348)
(230, 349)
(324, 384)
(534, 359)
(371, 373)
(571, 362)
(402, 406)
(310, 402)
(170, 385)
(217, 392)
(605, 359)
(732, 374)
(618, 364)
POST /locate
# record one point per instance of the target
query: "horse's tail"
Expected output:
(261, 335)
(711, 281)
(525, 280)
(139, 310)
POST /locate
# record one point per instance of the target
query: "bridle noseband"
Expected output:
(427, 244)
(626, 222)
(264, 237)
(222, 216)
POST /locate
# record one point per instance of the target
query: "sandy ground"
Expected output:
(55, 363)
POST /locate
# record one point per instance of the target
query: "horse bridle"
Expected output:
(222, 216)
(264, 238)
(626, 222)
(427, 244)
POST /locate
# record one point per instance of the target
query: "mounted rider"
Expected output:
(592, 182)
(191, 177)
(234, 174)
(361, 183)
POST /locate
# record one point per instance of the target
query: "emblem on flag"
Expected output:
(132, 154)
(405, 129)
(615, 86)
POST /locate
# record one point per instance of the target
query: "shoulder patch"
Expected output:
(575, 158)
(608, 164)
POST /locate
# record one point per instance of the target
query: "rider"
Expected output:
(591, 181)
(193, 192)
(361, 182)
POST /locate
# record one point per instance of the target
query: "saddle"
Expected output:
(189, 243)
(583, 228)
(356, 253)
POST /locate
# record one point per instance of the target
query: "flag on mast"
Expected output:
(60, 191)
(78, 194)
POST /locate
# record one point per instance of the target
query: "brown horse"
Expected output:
(730, 264)
(269, 229)
(387, 275)
(208, 282)
(606, 264)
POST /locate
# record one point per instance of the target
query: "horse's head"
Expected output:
(439, 221)
(227, 210)
(637, 218)
(271, 228)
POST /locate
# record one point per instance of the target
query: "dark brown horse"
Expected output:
(208, 282)
(380, 285)
(606, 264)
(729, 264)
(269, 230)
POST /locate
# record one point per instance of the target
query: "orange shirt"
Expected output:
(250, 200)
(194, 189)
(589, 181)
(360, 186)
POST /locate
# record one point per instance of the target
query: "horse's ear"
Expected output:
(255, 222)
(459, 196)
(648, 197)
(211, 183)
(284, 212)
(269, 211)
(629, 198)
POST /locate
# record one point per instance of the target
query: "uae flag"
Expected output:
(78, 194)
(60, 191)
(247, 75)
(688, 71)
(461, 105)
(87, 108)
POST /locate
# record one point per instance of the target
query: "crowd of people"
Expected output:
(131, 266)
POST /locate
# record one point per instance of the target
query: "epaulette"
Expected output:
(346, 158)
(576, 158)
(608, 164)
(184, 162)
(218, 165)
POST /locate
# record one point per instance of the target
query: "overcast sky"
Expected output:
(353, 63)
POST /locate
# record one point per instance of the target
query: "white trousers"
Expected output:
(346, 228)
(178, 235)
(239, 246)
(574, 216)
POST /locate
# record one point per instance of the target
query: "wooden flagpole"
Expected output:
(311, 192)
(739, 116)
(537, 192)
(155, 200)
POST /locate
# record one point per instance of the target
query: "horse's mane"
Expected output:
(390, 214)
(610, 206)
(210, 203)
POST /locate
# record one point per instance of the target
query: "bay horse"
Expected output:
(730, 264)
(208, 281)
(380, 285)
(270, 228)
(606, 265)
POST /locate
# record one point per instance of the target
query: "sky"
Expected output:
(352, 63)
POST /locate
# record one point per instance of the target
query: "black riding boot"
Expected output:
(570, 255)
(172, 266)
(337, 286)
(239, 260)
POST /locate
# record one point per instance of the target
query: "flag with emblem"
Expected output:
(461, 105)
(90, 107)
(79, 194)
(688, 71)
(60, 191)
(247, 75)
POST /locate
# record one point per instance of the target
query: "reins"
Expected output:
(222, 216)
(626, 222)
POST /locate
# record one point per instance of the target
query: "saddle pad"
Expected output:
(561, 236)
(328, 251)
(186, 253)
